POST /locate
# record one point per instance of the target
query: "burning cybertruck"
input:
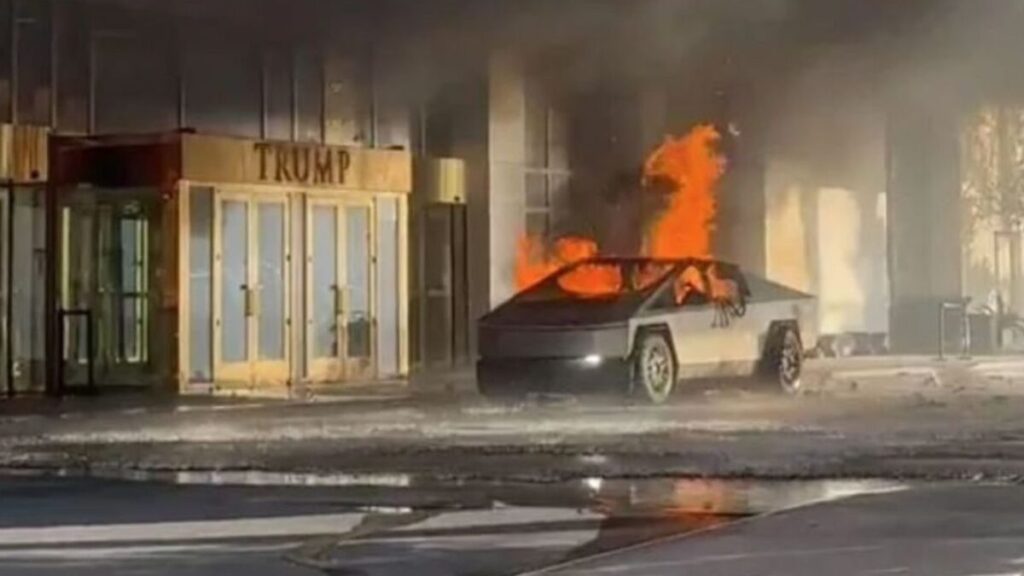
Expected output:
(637, 326)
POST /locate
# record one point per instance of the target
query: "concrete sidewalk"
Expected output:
(881, 374)
(421, 388)
(902, 374)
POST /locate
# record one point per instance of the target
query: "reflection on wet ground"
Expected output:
(399, 524)
(525, 527)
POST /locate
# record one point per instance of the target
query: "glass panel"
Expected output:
(235, 272)
(131, 318)
(357, 268)
(129, 255)
(27, 265)
(78, 281)
(536, 190)
(271, 281)
(387, 286)
(133, 290)
(200, 284)
(105, 302)
(325, 282)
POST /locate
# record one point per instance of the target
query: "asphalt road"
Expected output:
(929, 531)
(109, 527)
(112, 528)
(94, 527)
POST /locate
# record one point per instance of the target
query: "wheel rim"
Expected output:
(658, 370)
(789, 364)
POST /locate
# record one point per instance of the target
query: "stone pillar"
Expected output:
(924, 226)
(506, 139)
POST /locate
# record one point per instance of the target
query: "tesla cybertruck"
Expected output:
(637, 326)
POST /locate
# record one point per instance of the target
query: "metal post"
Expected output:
(942, 331)
(90, 353)
(58, 362)
(966, 340)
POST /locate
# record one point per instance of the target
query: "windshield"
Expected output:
(600, 280)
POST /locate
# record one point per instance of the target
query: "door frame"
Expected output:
(341, 368)
(252, 372)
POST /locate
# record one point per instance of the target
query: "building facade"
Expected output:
(409, 149)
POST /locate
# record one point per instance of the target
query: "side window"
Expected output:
(725, 284)
(698, 285)
(688, 289)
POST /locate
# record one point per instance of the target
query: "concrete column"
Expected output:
(506, 139)
(924, 225)
(824, 196)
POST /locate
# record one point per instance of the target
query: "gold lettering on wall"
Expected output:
(299, 164)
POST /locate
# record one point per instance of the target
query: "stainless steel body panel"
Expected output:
(706, 346)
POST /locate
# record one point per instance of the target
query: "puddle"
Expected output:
(395, 523)
(618, 497)
(726, 497)
(257, 478)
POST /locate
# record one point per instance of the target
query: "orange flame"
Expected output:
(691, 166)
(534, 263)
(592, 280)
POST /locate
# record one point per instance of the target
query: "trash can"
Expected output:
(983, 329)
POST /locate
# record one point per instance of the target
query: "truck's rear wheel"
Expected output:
(654, 371)
(785, 361)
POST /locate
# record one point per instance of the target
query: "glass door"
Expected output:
(339, 302)
(251, 319)
(109, 293)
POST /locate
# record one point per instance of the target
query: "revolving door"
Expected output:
(110, 326)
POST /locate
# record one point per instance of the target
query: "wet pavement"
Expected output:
(720, 434)
(369, 525)
(873, 417)
(938, 530)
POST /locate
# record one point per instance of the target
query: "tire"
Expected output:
(654, 369)
(784, 363)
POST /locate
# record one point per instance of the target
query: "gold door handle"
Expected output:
(252, 300)
(340, 299)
